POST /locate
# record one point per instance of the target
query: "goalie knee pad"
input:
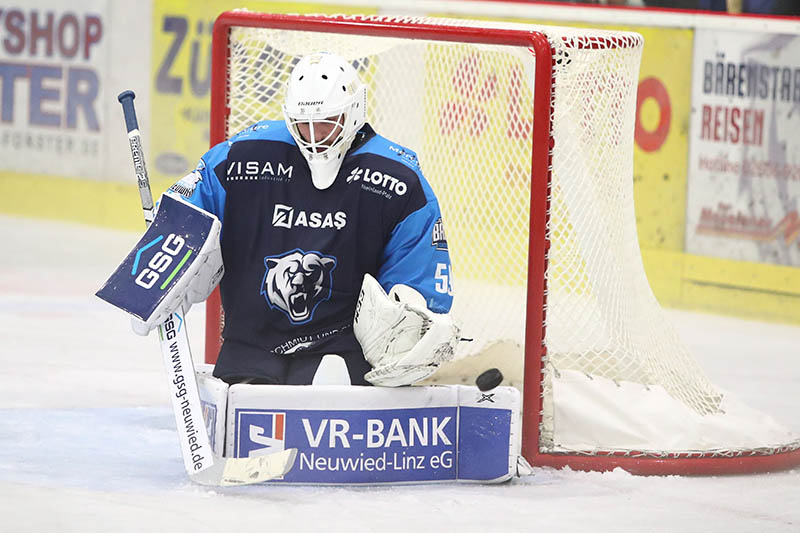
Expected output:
(332, 370)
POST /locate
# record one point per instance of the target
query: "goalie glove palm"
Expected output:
(402, 340)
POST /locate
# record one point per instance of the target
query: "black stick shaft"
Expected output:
(137, 153)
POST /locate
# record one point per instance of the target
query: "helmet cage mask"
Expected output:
(324, 91)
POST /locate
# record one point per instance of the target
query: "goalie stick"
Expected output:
(201, 464)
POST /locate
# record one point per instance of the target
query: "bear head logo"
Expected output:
(297, 282)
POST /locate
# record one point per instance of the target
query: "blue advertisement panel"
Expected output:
(382, 445)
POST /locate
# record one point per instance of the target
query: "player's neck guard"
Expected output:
(323, 173)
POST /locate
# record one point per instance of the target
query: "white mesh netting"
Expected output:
(467, 110)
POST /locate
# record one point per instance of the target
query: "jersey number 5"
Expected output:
(443, 279)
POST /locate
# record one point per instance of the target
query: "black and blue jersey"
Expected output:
(295, 256)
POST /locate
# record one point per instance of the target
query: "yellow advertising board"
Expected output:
(661, 149)
(661, 156)
(475, 125)
(661, 145)
(662, 129)
(661, 137)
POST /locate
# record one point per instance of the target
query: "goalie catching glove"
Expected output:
(175, 264)
(401, 338)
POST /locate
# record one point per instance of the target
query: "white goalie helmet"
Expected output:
(324, 109)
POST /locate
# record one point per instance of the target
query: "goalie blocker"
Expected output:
(403, 435)
(177, 262)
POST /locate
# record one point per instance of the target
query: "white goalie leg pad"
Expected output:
(332, 370)
(214, 401)
(401, 338)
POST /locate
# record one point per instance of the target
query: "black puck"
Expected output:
(489, 379)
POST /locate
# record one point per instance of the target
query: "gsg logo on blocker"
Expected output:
(160, 261)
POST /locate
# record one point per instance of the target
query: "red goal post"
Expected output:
(526, 134)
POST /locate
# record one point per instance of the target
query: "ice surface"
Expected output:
(88, 443)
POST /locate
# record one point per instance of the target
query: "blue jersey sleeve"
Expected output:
(416, 255)
(202, 187)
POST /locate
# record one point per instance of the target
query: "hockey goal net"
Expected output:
(526, 135)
